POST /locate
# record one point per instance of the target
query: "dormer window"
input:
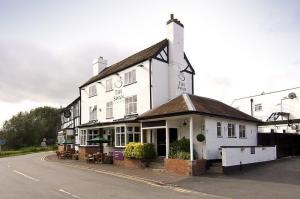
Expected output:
(109, 85)
(92, 91)
(130, 77)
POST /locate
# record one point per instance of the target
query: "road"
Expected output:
(30, 177)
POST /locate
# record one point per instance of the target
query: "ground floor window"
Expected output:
(86, 135)
(133, 134)
(82, 137)
(120, 136)
(91, 135)
(126, 134)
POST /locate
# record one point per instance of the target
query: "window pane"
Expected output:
(137, 137)
(130, 137)
(136, 129)
(122, 140)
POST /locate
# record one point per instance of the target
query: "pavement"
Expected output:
(31, 176)
(277, 179)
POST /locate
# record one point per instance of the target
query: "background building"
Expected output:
(279, 110)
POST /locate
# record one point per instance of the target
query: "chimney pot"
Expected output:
(172, 16)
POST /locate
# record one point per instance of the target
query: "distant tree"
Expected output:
(29, 128)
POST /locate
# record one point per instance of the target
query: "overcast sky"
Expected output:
(238, 48)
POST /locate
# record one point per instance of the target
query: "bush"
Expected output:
(135, 150)
(180, 149)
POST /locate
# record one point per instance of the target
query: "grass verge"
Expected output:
(26, 150)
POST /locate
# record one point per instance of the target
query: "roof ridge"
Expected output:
(188, 102)
(129, 61)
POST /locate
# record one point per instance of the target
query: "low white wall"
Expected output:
(232, 156)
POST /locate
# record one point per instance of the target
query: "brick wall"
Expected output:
(185, 167)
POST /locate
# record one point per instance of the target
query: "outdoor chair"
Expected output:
(90, 158)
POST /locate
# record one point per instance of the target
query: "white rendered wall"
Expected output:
(270, 104)
(159, 80)
(213, 143)
(141, 88)
(237, 156)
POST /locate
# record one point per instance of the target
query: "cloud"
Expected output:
(32, 72)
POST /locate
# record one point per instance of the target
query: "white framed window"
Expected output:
(130, 77)
(134, 134)
(92, 91)
(109, 85)
(231, 130)
(131, 105)
(91, 134)
(258, 107)
(120, 136)
(82, 137)
(219, 129)
(109, 109)
(242, 131)
(93, 113)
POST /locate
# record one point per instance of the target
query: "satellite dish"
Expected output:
(292, 95)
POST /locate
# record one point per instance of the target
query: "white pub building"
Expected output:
(149, 97)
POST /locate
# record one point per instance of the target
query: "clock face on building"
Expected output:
(118, 83)
(181, 76)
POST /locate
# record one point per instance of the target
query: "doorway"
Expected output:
(161, 142)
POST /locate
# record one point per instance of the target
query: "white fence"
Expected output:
(239, 155)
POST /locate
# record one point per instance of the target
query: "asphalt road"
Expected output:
(31, 177)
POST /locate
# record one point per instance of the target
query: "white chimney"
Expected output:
(99, 65)
(175, 37)
(176, 41)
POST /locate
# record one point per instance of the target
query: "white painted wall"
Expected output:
(141, 88)
(160, 78)
(270, 104)
(242, 155)
(213, 143)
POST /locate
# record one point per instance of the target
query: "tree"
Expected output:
(29, 128)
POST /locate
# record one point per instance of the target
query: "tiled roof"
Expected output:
(192, 104)
(129, 61)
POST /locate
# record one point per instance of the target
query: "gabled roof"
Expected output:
(192, 104)
(129, 61)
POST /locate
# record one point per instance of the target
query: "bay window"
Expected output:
(133, 134)
(120, 136)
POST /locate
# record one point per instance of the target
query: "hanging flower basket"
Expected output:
(200, 137)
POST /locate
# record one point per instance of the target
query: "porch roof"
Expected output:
(192, 104)
(122, 120)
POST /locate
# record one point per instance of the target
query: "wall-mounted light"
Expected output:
(140, 65)
(99, 82)
(184, 123)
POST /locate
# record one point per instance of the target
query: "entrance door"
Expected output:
(161, 142)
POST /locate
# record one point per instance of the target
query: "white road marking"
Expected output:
(68, 193)
(26, 176)
(43, 158)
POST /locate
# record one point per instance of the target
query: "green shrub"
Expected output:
(180, 149)
(149, 151)
(135, 150)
